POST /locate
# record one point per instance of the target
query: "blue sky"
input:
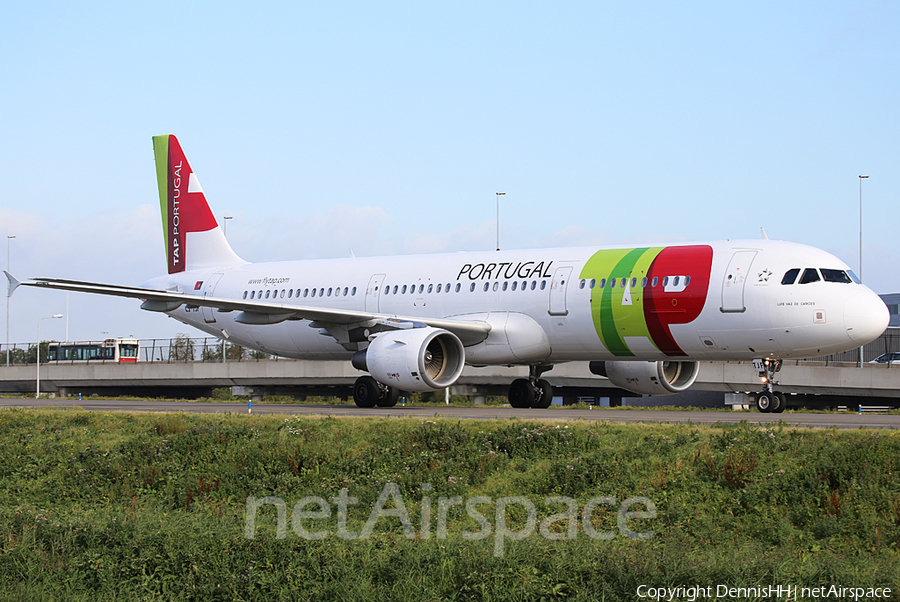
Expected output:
(388, 127)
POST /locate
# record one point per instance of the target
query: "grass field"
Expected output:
(155, 506)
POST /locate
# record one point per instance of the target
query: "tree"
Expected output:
(181, 348)
(235, 352)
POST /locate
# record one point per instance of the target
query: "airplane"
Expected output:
(642, 316)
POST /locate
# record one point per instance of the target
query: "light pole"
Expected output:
(861, 178)
(8, 238)
(37, 388)
(225, 219)
(499, 194)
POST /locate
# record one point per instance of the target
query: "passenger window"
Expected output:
(581, 285)
(281, 294)
(593, 282)
(633, 282)
(835, 276)
(603, 283)
(533, 284)
(543, 284)
(290, 293)
(252, 294)
(404, 289)
(655, 281)
(268, 293)
(306, 292)
(809, 275)
(457, 287)
(353, 292)
(665, 281)
(314, 292)
(675, 282)
(644, 282)
(440, 287)
(421, 288)
(395, 289)
(623, 283)
(486, 285)
(790, 277)
(472, 288)
(505, 285)
(515, 284)
(687, 280)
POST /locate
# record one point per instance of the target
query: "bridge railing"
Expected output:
(183, 348)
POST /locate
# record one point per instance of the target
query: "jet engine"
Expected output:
(415, 359)
(649, 378)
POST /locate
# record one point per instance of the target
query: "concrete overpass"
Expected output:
(809, 382)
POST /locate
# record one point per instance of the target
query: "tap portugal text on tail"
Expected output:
(643, 316)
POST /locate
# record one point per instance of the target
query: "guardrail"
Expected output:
(184, 348)
(178, 349)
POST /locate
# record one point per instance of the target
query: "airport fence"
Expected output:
(183, 348)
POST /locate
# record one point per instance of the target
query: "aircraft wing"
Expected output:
(470, 332)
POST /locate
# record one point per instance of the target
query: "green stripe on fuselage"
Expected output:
(617, 311)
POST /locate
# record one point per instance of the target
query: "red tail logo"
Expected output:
(188, 210)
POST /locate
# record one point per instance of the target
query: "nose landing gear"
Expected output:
(769, 400)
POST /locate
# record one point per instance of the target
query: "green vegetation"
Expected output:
(114, 506)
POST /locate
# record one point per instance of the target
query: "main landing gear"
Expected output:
(769, 400)
(368, 392)
(531, 392)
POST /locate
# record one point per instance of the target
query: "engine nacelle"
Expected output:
(649, 378)
(415, 359)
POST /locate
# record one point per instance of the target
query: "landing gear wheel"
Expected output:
(765, 401)
(782, 402)
(366, 392)
(546, 395)
(521, 393)
(389, 397)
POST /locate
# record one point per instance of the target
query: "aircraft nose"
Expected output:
(865, 317)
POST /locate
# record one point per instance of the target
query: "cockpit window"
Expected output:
(853, 277)
(835, 276)
(809, 275)
(790, 277)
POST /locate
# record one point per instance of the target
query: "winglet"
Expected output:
(764, 235)
(13, 283)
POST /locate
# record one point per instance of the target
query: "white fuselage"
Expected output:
(593, 304)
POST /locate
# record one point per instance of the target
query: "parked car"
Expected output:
(887, 358)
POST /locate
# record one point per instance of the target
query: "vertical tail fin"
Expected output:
(193, 237)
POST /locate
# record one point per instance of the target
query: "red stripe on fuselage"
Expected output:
(661, 308)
